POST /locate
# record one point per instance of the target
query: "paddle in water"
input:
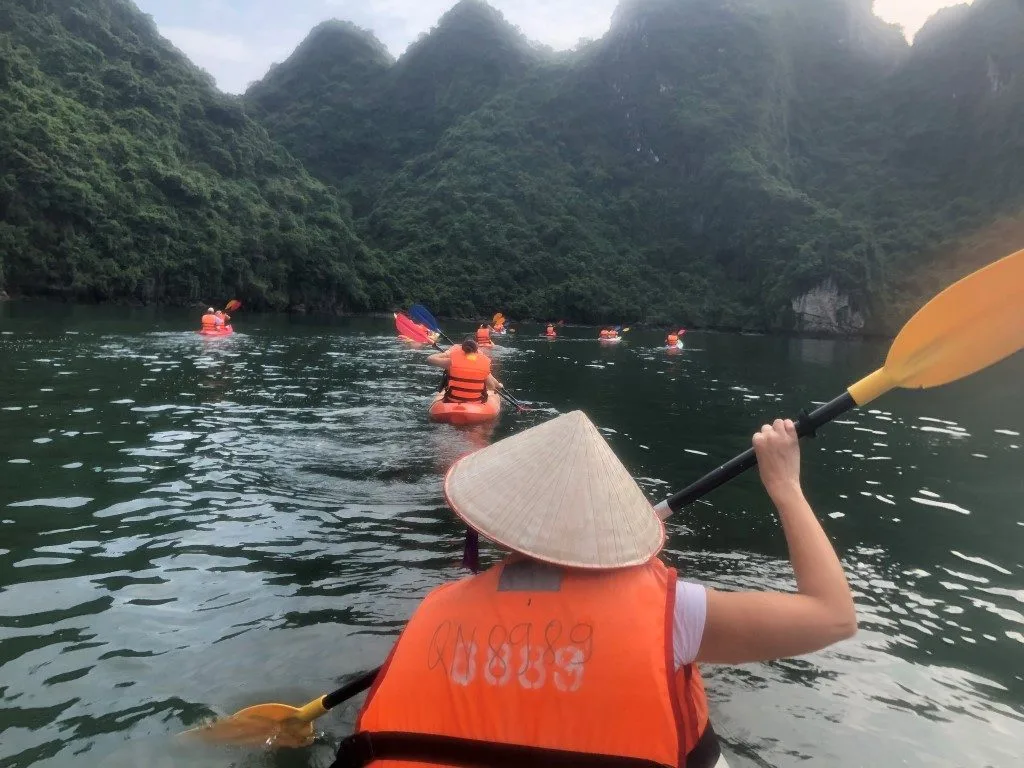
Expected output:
(973, 324)
(279, 725)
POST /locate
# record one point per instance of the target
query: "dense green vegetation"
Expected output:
(124, 174)
(706, 162)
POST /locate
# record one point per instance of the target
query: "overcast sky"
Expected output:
(236, 41)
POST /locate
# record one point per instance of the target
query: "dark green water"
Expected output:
(189, 526)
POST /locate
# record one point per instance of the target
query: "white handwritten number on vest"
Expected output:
(529, 655)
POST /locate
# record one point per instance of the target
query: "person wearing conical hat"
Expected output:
(581, 648)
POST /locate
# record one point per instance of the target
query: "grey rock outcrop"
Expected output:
(825, 309)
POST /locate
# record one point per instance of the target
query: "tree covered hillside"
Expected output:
(125, 175)
(753, 164)
(709, 161)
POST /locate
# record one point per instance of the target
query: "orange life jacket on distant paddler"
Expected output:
(483, 336)
(209, 321)
(527, 664)
(672, 339)
(467, 376)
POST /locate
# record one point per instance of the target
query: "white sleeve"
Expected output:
(688, 621)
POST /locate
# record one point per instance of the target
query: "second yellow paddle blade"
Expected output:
(272, 725)
(974, 323)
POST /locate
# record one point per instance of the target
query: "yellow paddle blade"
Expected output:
(272, 725)
(973, 324)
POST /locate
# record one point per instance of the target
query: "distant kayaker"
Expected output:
(469, 373)
(431, 335)
(583, 643)
(609, 333)
(209, 321)
(483, 335)
(673, 338)
(550, 331)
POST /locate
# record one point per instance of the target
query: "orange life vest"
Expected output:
(672, 339)
(209, 321)
(551, 330)
(467, 376)
(541, 659)
(483, 336)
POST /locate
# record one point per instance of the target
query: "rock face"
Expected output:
(824, 309)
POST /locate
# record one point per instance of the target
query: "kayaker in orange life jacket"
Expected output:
(469, 373)
(581, 648)
(209, 321)
(483, 335)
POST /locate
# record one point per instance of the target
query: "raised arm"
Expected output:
(759, 626)
(440, 359)
(493, 384)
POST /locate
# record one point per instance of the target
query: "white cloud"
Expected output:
(202, 45)
(558, 23)
(237, 40)
(911, 14)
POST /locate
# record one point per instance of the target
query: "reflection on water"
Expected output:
(189, 526)
(814, 351)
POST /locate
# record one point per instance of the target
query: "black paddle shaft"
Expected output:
(806, 425)
(353, 688)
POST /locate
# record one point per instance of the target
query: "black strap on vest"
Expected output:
(480, 395)
(361, 749)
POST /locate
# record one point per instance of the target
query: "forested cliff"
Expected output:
(125, 175)
(730, 163)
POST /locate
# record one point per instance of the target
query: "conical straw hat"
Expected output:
(557, 493)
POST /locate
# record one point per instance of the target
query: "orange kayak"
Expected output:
(227, 330)
(465, 414)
